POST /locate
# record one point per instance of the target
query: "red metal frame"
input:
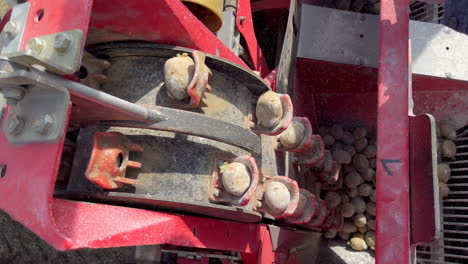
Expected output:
(54, 18)
(170, 23)
(244, 22)
(393, 219)
(70, 225)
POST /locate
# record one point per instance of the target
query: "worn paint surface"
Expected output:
(393, 221)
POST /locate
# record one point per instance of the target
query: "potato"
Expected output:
(344, 198)
(448, 149)
(337, 132)
(447, 132)
(372, 196)
(359, 204)
(358, 244)
(328, 140)
(360, 163)
(370, 239)
(362, 229)
(329, 234)
(353, 192)
(360, 220)
(365, 189)
(349, 228)
(347, 138)
(236, 178)
(269, 110)
(443, 190)
(358, 234)
(341, 156)
(347, 168)
(359, 132)
(370, 208)
(337, 146)
(350, 149)
(343, 235)
(360, 144)
(352, 180)
(347, 210)
(373, 163)
(443, 172)
(322, 131)
(178, 73)
(368, 175)
(370, 151)
(333, 199)
(293, 135)
(371, 224)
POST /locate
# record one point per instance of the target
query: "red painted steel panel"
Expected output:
(161, 21)
(393, 234)
(57, 16)
(244, 22)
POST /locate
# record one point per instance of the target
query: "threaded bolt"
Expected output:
(15, 125)
(44, 125)
(62, 41)
(36, 46)
(10, 29)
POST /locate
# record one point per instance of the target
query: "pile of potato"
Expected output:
(356, 152)
(446, 148)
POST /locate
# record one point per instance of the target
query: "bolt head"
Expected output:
(216, 192)
(44, 125)
(10, 29)
(62, 41)
(15, 125)
(36, 46)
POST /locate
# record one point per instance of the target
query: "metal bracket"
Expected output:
(39, 117)
(12, 33)
(59, 53)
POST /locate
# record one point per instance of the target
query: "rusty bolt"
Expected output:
(35, 46)
(15, 125)
(62, 41)
(216, 192)
(10, 29)
(44, 124)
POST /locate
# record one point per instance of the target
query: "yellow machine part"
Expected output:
(209, 12)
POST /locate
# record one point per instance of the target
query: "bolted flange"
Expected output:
(62, 41)
(44, 125)
(15, 125)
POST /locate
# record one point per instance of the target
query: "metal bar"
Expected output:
(435, 261)
(457, 216)
(455, 231)
(458, 162)
(454, 247)
(159, 118)
(456, 256)
(455, 239)
(393, 108)
(455, 208)
(461, 139)
(455, 223)
(462, 146)
(459, 185)
(457, 192)
(456, 200)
